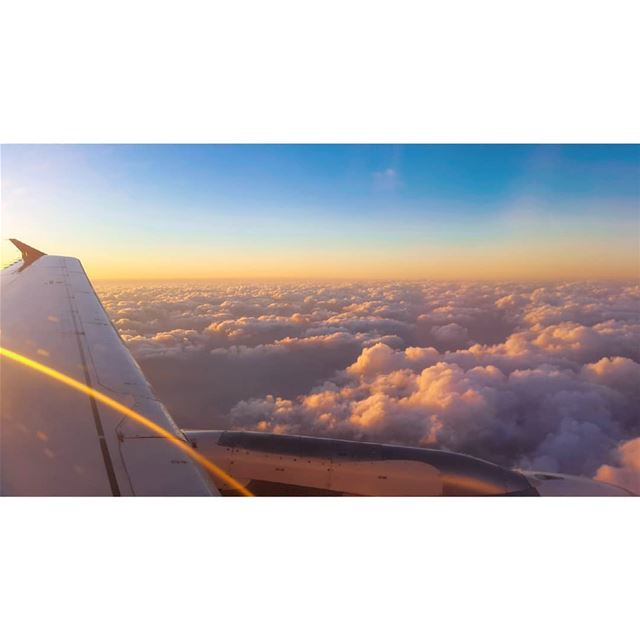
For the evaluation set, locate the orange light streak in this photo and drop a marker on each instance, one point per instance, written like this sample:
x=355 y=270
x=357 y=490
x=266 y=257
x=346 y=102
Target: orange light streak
x=130 y=413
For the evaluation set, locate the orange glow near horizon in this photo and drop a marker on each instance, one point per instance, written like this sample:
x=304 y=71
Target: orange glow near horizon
x=507 y=264
x=526 y=260
x=604 y=251
x=126 y=411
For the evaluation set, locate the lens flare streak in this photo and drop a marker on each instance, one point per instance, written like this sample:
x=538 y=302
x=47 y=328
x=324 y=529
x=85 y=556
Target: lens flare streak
x=130 y=413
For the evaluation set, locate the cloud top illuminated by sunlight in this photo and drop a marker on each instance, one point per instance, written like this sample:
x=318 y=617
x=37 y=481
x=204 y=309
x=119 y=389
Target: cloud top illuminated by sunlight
x=532 y=375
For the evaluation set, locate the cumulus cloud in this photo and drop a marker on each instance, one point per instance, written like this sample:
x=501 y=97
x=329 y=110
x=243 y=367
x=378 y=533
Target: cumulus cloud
x=532 y=375
x=451 y=334
x=628 y=473
x=545 y=417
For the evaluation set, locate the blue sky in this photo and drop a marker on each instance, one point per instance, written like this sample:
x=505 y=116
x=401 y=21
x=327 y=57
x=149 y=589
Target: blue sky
x=329 y=210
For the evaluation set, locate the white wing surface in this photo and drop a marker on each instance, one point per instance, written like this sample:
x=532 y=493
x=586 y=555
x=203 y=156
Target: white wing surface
x=55 y=440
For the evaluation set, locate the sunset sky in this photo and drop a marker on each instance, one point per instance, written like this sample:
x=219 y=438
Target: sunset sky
x=325 y=211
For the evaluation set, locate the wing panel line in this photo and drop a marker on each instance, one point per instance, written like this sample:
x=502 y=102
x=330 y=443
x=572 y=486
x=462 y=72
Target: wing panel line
x=108 y=463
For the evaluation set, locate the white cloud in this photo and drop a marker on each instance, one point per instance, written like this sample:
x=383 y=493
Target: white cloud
x=544 y=376
x=386 y=180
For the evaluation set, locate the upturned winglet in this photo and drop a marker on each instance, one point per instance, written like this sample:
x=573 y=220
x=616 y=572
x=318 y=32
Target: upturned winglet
x=29 y=254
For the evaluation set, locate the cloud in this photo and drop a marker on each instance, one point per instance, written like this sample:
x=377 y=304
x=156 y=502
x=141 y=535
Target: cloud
x=542 y=376
x=546 y=417
x=450 y=334
x=386 y=180
x=628 y=473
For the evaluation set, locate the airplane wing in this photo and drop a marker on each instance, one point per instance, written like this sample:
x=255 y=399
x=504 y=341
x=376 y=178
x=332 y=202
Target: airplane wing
x=55 y=440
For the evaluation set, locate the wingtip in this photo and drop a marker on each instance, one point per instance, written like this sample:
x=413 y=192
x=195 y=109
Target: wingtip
x=29 y=254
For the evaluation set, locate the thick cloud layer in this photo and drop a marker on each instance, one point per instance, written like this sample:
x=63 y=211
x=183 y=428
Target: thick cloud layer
x=531 y=375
